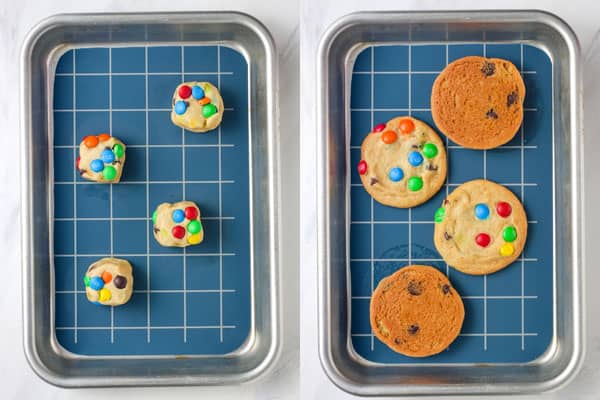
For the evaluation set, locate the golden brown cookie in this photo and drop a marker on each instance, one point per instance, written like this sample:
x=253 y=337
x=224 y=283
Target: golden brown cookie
x=478 y=102
x=416 y=311
x=480 y=228
x=109 y=282
x=197 y=106
x=101 y=158
x=177 y=224
x=403 y=162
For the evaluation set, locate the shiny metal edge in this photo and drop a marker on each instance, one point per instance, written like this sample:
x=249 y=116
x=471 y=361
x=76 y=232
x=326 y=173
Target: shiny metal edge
x=329 y=351
x=271 y=338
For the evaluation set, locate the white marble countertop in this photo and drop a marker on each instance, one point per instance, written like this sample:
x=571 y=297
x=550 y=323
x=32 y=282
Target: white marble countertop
x=315 y=17
x=17 y=380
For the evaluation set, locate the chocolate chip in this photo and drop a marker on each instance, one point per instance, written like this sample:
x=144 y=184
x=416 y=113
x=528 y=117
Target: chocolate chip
x=447 y=236
x=120 y=281
x=156 y=230
x=415 y=288
x=82 y=171
x=398 y=340
x=512 y=99
x=374 y=181
x=488 y=69
x=413 y=329
x=491 y=114
x=446 y=289
x=446 y=201
x=116 y=162
x=415 y=146
x=431 y=167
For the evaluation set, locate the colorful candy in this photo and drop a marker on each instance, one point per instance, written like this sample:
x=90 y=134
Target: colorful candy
x=106 y=277
x=482 y=211
x=154 y=215
x=86 y=281
x=96 y=283
x=194 y=239
x=194 y=227
x=90 y=141
x=118 y=150
x=109 y=172
x=503 y=209
x=197 y=92
x=178 y=231
x=483 y=239
x=406 y=126
x=120 y=282
x=379 y=127
x=415 y=183
x=440 y=213
x=415 y=158
x=107 y=156
x=203 y=101
x=208 y=110
x=362 y=167
x=77 y=162
x=389 y=137
x=178 y=216
x=97 y=165
x=509 y=234
x=191 y=212
x=180 y=107
x=185 y=91
x=103 y=137
x=507 y=249
x=430 y=150
x=396 y=174
x=105 y=294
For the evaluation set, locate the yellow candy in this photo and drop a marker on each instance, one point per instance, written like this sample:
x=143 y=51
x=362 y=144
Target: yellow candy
x=105 y=294
x=507 y=249
x=194 y=239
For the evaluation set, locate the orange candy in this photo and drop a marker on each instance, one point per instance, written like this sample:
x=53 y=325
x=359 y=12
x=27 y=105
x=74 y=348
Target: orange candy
x=406 y=126
x=90 y=141
x=203 y=101
x=389 y=137
x=106 y=277
x=103 y=137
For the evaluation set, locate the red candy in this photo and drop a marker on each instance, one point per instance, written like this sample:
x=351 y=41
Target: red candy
x=503 y=209
x=362 y=167
x=483 y=239
x=379 y=128
x=77 y=162
x=191 y=213
x=185 y=91
x=178 y=232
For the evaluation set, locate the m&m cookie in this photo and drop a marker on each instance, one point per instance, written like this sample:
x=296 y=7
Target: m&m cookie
x=480 y=228
x=177 y=224
x=109 y=282
x=101 y=158
x=403 y=162
x=197 y=106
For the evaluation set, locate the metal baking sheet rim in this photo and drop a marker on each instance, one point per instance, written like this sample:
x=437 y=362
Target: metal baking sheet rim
x=363 y=377
x=271 y=353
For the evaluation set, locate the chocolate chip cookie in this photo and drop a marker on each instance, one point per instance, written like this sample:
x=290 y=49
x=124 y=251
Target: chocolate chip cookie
x=416 y=311
x=478 y=102
x=403 y=162
x=480 y=228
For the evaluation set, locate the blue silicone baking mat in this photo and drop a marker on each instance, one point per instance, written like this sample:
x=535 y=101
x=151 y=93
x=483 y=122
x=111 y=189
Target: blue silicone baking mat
x=185 y=301
x=508 y=315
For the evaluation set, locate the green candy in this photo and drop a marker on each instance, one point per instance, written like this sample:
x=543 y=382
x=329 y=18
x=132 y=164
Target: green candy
x=86 y=281
x=430 y=150
x=109 y=172
x=118 y=150
x=194 y=227
x=440 y=214
x=154 y=215
x=415 y=184
x=209 y=110
x=509 y=234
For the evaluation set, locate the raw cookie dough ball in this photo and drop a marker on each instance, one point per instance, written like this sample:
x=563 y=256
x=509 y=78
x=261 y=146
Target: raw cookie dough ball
x=197 y=106
x=109 y=282
x=178 y=224
x=101 y=158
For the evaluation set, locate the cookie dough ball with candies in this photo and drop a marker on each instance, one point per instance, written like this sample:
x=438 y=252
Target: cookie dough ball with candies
x=178 y=224
x=101 y=158
x=197 y=106
x=109 y=282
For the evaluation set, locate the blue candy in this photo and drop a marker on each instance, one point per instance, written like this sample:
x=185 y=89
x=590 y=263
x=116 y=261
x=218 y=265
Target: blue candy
x=96 y=283
x=396 y=174
x=178 y=216
x=197 y=92
x=180 y=107
x=482 y=211
x=97 y=165
x=107 y=156
x=415 y=158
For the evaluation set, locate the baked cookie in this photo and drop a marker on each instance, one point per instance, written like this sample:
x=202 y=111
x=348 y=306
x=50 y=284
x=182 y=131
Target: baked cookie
x=480 y=228
x=478 y=102
x=177 y=224
x=416 y=311
x=197 y=106
x=403 y=162
x=109 y=282
x=101 y=158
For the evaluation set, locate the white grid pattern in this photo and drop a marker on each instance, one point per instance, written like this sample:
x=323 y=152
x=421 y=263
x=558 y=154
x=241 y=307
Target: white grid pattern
x=522 y=184
x=148 y=291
